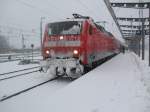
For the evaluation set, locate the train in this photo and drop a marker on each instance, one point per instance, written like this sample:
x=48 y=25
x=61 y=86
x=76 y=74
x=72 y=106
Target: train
x=72 y=45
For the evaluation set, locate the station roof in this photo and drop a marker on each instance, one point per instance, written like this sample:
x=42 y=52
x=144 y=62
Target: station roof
x=132 y=5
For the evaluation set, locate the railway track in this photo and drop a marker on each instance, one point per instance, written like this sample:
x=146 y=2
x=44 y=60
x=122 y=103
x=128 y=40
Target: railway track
x=16 y=57
x=19 y=73
x=3 y=61
x=26 y=90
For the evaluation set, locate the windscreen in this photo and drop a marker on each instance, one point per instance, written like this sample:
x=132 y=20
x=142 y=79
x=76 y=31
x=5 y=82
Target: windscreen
x=64 y=28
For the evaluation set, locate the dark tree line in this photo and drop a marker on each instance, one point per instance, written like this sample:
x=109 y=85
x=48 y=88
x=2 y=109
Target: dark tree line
x=4 y=45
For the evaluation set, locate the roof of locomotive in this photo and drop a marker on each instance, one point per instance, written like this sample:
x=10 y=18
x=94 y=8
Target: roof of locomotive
x=76 y=17
x=69 y=19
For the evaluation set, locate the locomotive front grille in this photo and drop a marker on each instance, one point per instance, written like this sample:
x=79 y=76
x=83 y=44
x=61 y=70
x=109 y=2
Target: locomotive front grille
x=63 y=62
x=62 y=43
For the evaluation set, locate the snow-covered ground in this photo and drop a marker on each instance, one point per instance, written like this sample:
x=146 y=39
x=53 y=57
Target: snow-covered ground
x=11 y=86
x=120 y=85
x=146 y=56
x=12 y=66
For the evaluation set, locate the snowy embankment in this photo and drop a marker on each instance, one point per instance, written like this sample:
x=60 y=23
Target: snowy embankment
x=120 y=85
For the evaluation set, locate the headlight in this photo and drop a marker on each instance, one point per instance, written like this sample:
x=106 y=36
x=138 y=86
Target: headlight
x=61 y=37
x=47 y=52
x=75 y=52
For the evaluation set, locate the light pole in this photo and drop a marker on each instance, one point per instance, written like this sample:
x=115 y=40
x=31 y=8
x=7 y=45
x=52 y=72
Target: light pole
x=149 y=36
x=32 y=45
x=41 y=34
x=142 y=31
x=23 y=45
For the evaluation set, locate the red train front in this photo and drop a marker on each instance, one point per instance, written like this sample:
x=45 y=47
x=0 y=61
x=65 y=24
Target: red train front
x=71 y=45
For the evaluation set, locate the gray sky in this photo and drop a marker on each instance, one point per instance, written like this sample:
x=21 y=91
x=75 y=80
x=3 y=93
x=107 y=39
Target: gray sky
x=24 y=16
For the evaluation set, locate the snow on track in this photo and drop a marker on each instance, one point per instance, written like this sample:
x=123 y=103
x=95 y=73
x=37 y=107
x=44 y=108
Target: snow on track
x=119 y=85
x=13 y=66
x=11 y=86
x=18 y=73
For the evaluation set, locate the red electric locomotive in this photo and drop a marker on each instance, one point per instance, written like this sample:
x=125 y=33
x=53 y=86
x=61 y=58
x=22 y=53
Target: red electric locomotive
x=71 y=45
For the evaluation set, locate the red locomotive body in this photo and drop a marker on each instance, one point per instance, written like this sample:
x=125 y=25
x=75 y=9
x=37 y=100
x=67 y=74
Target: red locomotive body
x=75 y=44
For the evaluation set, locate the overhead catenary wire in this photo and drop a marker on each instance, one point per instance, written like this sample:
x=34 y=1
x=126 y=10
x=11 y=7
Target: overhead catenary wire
x=54 y=6
x=87 y=8
x=31 y=6
x=36 y=8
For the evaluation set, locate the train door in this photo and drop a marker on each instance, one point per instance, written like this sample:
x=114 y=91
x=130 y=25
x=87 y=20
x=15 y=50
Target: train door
x=91 y=55
x=93 y=32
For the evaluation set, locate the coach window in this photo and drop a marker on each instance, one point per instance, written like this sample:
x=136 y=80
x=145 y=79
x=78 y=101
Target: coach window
x=90 y=30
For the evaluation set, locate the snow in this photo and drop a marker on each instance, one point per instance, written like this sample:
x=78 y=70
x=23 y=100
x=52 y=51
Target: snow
x=120 y=85
x=12 y=66
x=146 y=56
x=73 y=30
x=19 y=56
x=10 y=86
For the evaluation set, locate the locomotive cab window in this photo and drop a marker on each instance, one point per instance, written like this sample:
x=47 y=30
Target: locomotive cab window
x=65 y=28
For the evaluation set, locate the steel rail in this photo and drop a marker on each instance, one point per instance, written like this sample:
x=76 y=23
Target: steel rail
x=27 y=89
x=18 y=70
x=19 y=75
